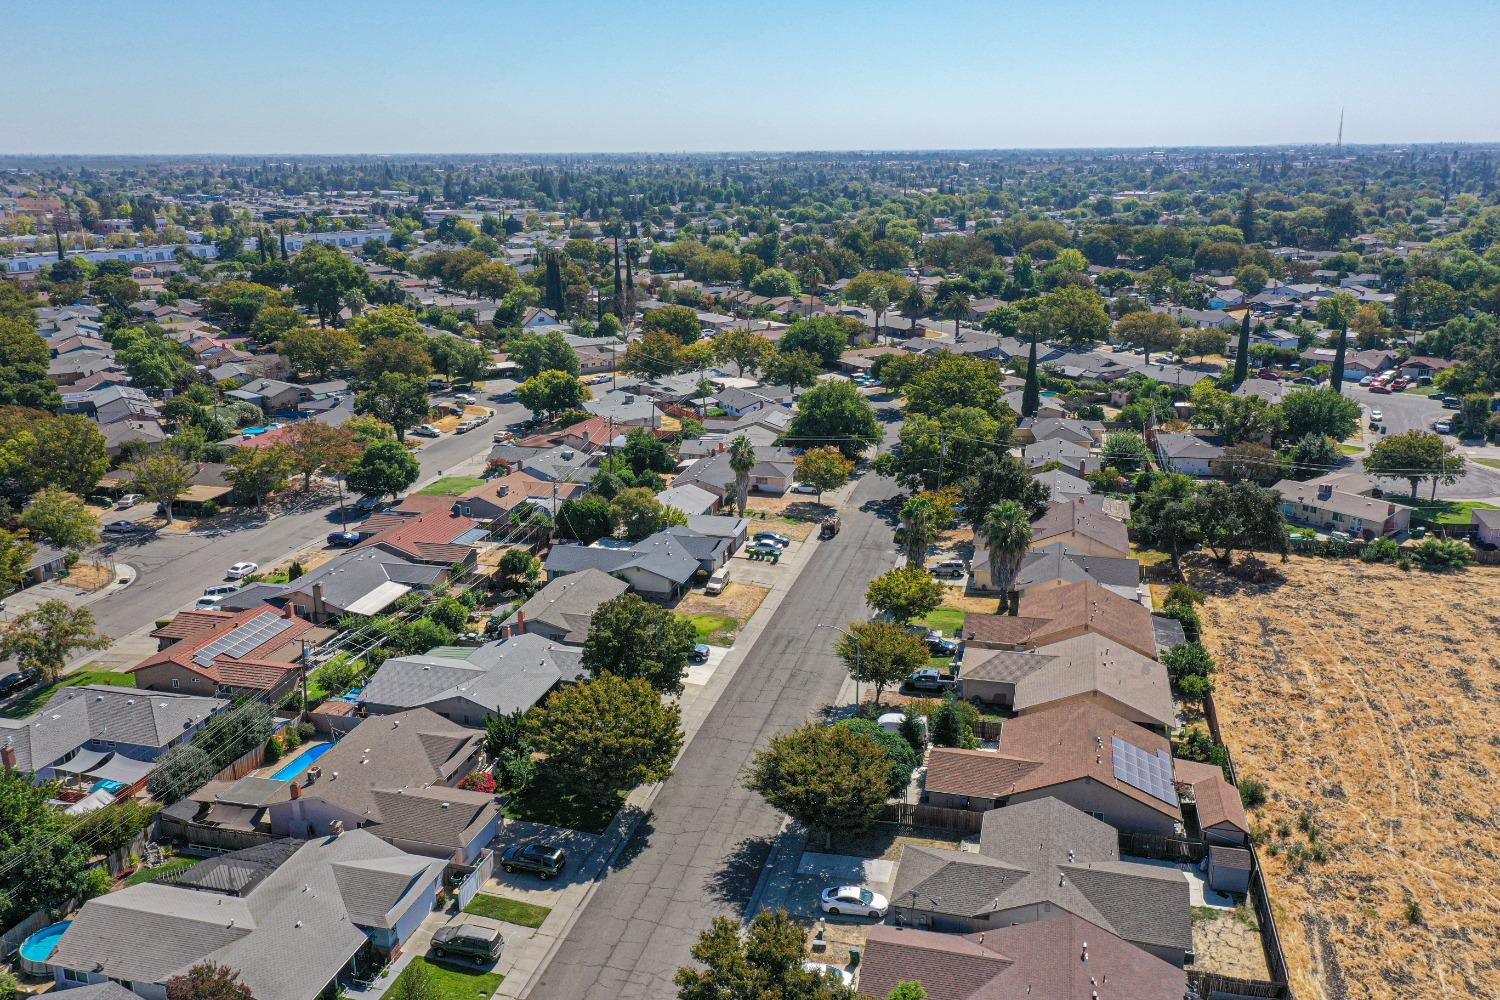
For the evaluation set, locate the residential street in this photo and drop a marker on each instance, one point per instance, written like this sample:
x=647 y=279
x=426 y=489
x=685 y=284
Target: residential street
x=1404 y=411
x=699 y=853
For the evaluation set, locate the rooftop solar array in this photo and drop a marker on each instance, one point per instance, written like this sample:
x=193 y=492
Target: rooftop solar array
x=254 y=633
x=1150 y=772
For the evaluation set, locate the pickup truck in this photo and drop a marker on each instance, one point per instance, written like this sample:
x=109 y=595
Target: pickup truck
x=929 y=679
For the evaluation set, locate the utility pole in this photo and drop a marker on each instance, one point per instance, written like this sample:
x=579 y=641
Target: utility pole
x=942 y=453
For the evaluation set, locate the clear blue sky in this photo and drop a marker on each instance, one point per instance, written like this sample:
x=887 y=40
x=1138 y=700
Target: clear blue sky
x=336 y=76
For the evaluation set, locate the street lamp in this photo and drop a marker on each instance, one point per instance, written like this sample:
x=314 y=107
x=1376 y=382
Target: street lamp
x=857 y=654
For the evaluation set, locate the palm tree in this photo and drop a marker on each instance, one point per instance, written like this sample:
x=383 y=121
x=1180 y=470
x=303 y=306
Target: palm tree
x=1007 y=535
x=957 y=306
x=917 y=530
x=741 y=460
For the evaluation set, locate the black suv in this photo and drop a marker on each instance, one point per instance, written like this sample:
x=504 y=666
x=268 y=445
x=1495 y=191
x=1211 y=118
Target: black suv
x=482 y=944
x=543 y=860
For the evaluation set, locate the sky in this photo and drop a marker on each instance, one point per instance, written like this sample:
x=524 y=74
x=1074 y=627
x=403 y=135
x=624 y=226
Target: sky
x=469 y=76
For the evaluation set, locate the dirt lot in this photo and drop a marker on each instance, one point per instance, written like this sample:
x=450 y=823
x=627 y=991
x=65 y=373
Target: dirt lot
x=798 y=505
x=739 y=600
x=1365 y=698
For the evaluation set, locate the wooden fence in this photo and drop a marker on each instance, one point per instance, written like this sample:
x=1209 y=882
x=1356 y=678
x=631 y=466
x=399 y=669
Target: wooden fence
x=1162 y=847
x=255 y=758
x=1212 y=986
x=963 y=821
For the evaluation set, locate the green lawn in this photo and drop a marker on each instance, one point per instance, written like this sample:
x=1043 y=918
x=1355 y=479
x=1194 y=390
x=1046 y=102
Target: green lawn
x=946 y=620
x=1352 y=449
x=540 y=802
x=172 y=867
x=451 y=486
x=37 y=696
x=512 y=911
x=1442 y=511
x=1493 y=463
x=1422 y=390
x=451 y=982
x=716 y=630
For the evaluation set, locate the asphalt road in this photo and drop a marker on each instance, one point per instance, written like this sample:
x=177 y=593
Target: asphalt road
x=174 y=568
x=1402 y=411
x=699 y=853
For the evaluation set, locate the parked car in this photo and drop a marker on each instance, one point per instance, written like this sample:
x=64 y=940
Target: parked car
x=130 y=500
x=1376 y=416
x=1269 y=374
x=952 y=568
x=699 y=653
x=221 y=590
x=466 y=399
x=11 y=683
x=124 y=528
x=426 y=431
x=504 y=437
x=853 y=899
x=467 y=426
x=1367 y=380
x=763 y=549
x=825 y=970
x=772 y=538
x=804 y=488
x=343 y=539
x=1305 y=380
x=538 y=857
x=1451 y=402
x=1443 y=426
x=208 y=603
x=929 y=679
x=369 y=503
x=483 y=944
x=1380 y=389
x=718 y=581
x=240 y=570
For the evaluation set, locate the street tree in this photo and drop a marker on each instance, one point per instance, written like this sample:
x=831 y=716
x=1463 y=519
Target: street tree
x=314 y=447
x=601 y=738
x=61 y=518
x=767 y=961
x=161 y=476
x=824 y=469
x=918 y=530
x=834 y=413
x=904 y=593
x=1415 y=455
x=552 y=392
x=259 y=472
x=394 y=355
x=632 y=638
x=385 y=469
x=741 y=463
x=885 y=654
x=535 y=353
x=1150 y=331
x=1006 y=536
x=42 y=640
x=275 y=323
x=957 y=380
x=1318 y=411
x=398 y=400
x=747 y=351
x=831 y=779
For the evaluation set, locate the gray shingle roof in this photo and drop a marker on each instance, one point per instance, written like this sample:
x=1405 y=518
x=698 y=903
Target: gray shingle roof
x=75 y=715
x=1059 y=561
x=500 y=677
x=567 y=603
x=664 y=554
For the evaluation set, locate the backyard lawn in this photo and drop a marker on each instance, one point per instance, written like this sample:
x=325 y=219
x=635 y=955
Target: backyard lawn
x=946 y=620
x=451 y=982
x=451 y=486
x=715 y=630
x=1442 y=511
x=512 y=911
x=37 y=696
x=160 y=872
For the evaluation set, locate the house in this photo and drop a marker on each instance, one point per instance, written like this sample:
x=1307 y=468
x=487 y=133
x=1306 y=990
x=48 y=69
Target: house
x=1058 y=613
x=1189 y=453
x=111 y=403
x=394 y=775
x=293 y=918
x=625 y=409
x=1058 y=956
x=774 y=472
x=253 y=653
x=131 y=432
x=47 y=562
x=1486 y=525
x=1056 y=565
x=1078 y=752
x=659 y=566
x=271 y=395
x=1038 y=859
x=689 y=499
x=734 y=530
x=1047 y=406
x=96 y=733
x=1075 y=458
x=439 y=536
x=1371 y=362
x=1085 y=525
x=1084 y=433
x=1323 y=506
x=1086 y=668
x=496 y=679
x=363 y=581
x=1422 y=366
x=497 y=499
x=1062 y=484
x=561 y=611
x=540 y=319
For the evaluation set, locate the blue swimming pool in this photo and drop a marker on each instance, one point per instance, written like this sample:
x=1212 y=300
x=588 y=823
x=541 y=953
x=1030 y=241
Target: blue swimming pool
x=301 y=762
x=40 y=946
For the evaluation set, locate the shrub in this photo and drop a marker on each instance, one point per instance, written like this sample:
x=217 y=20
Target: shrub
x=291 y=738
x=1181 y=593
x=1252 y=793
x=1381 y=550
x=1195 y=688
x=1196 y=744
x=1192 y=624
x=1187 y=660
x=516 y=771
x=1413 y=913
x=903 y=758
x=275 y=748
x=1441 y=554
x=208 y=508
x=478 y=781
x=8 y=985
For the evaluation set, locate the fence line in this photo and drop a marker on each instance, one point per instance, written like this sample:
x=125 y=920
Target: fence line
x=939 y=817
x=1210 y=984
x=1162 y=847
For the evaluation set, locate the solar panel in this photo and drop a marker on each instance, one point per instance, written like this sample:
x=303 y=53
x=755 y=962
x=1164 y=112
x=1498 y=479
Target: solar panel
x=1150 y=772
x=254 y=633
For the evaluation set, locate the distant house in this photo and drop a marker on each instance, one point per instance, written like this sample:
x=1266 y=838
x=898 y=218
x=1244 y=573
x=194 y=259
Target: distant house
x=1085 y=668
x=660 y=566
x=1037 y=859
x=1083 y=524
x=1421 y=366
x=1041 y=958
x=496 y=679
x=540 y=319
x=561 y=611
x=293 y=918
x=1063 y=484
x=271 y=395
x=1322 y=506
x=47 y=563
x=1064 y=612
x=1084 y=433
x=1075 y=458
x=1056 y=565
x=1189 y=453
x=252 y=653
x=738 y=402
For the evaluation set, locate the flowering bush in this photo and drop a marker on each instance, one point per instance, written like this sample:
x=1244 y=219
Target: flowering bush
x=478 y=781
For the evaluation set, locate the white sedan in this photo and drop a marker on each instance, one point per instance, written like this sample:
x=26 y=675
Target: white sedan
x=824 y=968
x=240 y=570
x=855 y=900
x=804 y=488
x=1376 y=416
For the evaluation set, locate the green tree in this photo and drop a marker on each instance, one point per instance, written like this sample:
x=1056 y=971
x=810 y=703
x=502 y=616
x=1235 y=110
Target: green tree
x=1006 y=536
x=162 y=476
x=385 y=469
x=1336 y=312
x=831 y=779
x=638 y=514
x=24 y=360
x=586 y=520
x=1240 y=516
x=679 y=321
x=492 y=280
x=766 y=963
x=1242 y=351
x=1312 y=454
x=826 y=337
x=999 y=476
x=552 y=392
x=541 y=352
x=741 y=463
x=414 y=983
x=322 y=278
x=44 y=864
x=885 y=655
x=1126 y=451
x=774 y=283
x=645 y=452
x=796 y=369
x=114 y=291
x=1031 y=392
x=632 y=638
x=258 y=472
x=398 y=400
x=61 y=518
x=745 y=350
x=957 y=380
x=834 y=413
x=824 y=469
x=1415 y=455
x=904 y=593
x=1318 y=411
x=276 y=323
x=901 y=757
x=16 y=552
x=1197 y=342
x=601 y=738
x=1073 y=314
x=1150 y=331
x=313 y=447
x=42 y=640
x=321 y=352
x=150 y=359
x=395 y=355
x=518 y=569
x=211 y=981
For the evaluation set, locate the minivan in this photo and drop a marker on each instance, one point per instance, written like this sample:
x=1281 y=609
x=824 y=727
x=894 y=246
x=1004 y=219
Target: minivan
x=718 y=581
x=953 y=568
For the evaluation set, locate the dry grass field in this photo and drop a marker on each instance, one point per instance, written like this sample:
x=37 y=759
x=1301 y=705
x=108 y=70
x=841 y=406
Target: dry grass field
x=1366 y=699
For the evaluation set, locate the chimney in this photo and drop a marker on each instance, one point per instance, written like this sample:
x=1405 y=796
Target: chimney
x=520 y=622
x=8 y=757
x=317 y=602
x=296 y=790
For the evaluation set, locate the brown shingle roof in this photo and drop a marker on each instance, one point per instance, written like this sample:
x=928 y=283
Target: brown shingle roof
x=1219 y=802
x=1076 y=516
x=1058 y=613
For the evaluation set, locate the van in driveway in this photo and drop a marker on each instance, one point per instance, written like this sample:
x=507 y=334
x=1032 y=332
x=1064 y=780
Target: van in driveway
x=718 y=581
x=482 y=944
x=952 y=568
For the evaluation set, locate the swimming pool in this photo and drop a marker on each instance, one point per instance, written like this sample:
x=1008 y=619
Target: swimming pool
x=301 y=762
x=40 y=946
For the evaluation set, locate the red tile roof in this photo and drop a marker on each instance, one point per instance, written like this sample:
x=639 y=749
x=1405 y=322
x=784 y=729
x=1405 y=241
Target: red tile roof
x=194 y=630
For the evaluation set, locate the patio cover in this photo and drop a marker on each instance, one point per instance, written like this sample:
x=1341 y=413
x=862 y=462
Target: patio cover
x=126 y=770
x=83 y=763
